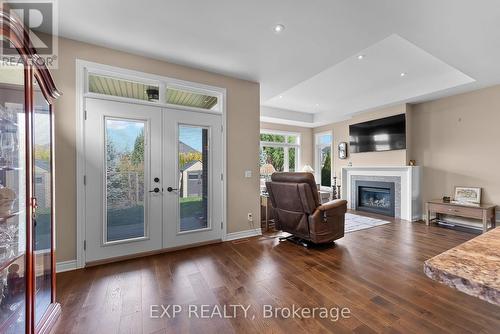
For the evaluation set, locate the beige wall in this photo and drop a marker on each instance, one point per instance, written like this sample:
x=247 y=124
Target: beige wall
x=341 y=134
x=242 y=135
x=306 y=140
x=456 y=140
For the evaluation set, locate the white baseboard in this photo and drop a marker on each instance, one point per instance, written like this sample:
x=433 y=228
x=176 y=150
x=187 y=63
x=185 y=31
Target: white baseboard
x=242 y=234
x=65 y=266
x=71 y=265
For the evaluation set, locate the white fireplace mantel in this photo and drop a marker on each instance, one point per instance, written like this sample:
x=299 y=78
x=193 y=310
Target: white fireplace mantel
x=410 y=178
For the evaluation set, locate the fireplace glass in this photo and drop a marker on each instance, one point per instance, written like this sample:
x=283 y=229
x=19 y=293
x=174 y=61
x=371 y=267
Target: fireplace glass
x=375 y=197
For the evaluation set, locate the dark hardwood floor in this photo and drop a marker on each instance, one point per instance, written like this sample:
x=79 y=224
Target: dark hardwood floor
x=376 y=273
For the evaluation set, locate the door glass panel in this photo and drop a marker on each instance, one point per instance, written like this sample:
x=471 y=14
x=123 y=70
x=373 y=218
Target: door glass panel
x=12 y=200
x=125 y=158
x=193 y=177
x=42 y=191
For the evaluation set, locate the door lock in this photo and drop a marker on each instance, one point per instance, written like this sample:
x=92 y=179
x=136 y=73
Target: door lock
x=170 y=189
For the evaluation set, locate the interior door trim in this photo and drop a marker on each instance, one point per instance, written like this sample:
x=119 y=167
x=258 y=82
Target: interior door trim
x=82 y=68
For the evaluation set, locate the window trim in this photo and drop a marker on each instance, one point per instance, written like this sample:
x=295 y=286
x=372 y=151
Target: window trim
x=286 y=146
x=317 y=147
x=162 y=82
x=82 y=67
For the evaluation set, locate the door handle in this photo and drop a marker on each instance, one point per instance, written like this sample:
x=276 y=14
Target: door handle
x=170 y=189
x=155 y=190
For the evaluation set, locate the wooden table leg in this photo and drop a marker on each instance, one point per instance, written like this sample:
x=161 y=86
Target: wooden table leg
x=485 y=221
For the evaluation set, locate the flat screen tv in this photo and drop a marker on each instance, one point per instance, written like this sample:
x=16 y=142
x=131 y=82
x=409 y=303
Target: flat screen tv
x=385 y=134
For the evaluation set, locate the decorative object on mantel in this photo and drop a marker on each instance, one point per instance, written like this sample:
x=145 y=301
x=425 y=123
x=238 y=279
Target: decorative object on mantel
x=412 y=163
x=342 y=150
x=467 y=195
x=446 y=199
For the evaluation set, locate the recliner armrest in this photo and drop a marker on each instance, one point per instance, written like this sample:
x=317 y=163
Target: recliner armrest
x=335 y=204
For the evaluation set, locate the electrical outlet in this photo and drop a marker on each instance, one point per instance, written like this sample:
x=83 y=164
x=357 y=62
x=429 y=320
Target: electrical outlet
x=250 y=217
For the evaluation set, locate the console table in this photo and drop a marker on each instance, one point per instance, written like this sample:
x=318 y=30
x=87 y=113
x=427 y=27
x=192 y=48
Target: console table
x=484 y=212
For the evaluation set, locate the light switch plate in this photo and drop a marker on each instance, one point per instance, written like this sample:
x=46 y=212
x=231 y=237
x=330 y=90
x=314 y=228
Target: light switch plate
x=248 y=173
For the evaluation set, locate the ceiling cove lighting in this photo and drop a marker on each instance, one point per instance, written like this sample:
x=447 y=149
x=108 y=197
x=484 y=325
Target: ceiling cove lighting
x=279 y=28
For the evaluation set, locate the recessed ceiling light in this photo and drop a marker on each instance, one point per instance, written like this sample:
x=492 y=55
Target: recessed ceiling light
x=361 y=57
x=403 y=74
x=281 y=96
x=317 y=104
x=279 y=28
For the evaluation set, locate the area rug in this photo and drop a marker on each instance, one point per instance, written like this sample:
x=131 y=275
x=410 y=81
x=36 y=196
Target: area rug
x=355 y=223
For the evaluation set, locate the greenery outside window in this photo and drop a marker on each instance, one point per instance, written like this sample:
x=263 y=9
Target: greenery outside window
x=280 y=149
x=323 y=165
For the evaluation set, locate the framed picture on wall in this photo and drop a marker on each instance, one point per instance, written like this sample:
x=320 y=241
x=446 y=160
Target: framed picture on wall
x=468 y=195
x=343 y=150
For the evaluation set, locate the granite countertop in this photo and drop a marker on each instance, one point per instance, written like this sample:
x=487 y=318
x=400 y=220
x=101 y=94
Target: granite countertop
x=472 y=267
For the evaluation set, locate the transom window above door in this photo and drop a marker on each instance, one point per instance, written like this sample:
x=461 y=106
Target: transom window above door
x=107 y=85
x=170 y=92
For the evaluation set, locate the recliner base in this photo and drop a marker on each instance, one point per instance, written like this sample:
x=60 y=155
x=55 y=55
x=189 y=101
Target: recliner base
x=296 y=240
x=306 y=243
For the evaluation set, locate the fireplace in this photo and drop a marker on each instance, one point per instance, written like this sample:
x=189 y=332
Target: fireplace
x=375 y=197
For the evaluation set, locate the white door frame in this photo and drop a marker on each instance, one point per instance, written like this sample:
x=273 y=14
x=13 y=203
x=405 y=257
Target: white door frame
x=83 y=67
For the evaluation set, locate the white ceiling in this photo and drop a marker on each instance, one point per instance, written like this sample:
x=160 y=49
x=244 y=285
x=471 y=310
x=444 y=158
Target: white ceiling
x=391 y=70
x=458 y=38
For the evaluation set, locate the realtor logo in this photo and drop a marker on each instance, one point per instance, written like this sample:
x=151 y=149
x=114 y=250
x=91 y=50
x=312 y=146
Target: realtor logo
x=40 y=19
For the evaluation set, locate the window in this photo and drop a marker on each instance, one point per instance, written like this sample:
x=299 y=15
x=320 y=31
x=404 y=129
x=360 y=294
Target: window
x=187 y=98
x=279 y=149
x=323 y=165
x=123 y=88
x=154 y=90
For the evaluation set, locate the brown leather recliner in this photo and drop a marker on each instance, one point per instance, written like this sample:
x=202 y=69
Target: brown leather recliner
x=295 y=200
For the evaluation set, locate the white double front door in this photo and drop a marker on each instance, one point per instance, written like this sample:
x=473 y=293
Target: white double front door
x=152 y=178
